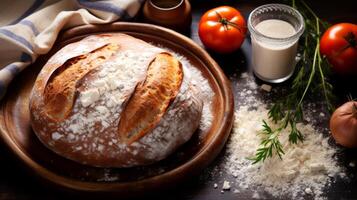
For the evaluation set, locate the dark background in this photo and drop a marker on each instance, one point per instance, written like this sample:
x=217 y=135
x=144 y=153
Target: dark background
x=17 y=183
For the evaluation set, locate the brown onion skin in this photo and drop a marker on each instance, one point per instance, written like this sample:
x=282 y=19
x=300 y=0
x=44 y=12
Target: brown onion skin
x=343 y=125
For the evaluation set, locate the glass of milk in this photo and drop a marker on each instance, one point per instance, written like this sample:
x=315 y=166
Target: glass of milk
x=275 y=30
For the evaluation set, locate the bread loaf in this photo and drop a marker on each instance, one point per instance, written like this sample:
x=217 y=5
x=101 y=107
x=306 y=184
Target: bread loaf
x=112 y=100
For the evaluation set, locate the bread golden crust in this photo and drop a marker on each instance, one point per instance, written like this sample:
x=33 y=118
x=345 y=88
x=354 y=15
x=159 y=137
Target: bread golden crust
x=60 y=91
x=151 y=98
x=84 y=91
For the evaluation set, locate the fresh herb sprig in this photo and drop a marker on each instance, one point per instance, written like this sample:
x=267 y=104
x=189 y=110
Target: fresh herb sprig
x=310 y=79
x=269 y=144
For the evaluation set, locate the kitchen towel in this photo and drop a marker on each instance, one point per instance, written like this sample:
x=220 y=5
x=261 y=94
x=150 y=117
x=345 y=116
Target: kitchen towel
x=29 y=28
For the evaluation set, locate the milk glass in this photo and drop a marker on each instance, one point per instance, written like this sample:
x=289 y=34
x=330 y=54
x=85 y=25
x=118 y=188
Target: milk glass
x=273 y=54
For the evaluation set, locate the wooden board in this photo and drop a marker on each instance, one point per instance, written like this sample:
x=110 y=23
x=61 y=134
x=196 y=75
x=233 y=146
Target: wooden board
x=188 y=160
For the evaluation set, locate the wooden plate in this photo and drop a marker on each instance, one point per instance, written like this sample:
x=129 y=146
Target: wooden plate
x=187 y=161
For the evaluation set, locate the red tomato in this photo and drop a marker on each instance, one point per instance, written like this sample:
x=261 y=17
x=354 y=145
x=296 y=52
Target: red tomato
x=339 y=44
x=222 y=29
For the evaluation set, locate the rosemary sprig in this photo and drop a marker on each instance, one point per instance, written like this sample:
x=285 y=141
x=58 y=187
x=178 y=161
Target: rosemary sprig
x=288 y=111
x=269 y=144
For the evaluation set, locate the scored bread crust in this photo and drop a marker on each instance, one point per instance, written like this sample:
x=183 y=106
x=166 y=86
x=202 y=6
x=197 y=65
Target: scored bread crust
x=151 y=98
x=59 y=92
x=83 y=101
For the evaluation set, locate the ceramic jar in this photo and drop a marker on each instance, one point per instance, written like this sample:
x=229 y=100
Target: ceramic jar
x=174 y=14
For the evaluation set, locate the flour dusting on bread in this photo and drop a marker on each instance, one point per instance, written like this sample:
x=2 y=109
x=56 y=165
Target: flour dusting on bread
x=89 y=134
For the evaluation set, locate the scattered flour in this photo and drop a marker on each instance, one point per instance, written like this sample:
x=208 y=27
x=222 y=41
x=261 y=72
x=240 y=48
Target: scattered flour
x=226 y=185
x=266 y=87
x=306 y=167
x=256 y=195
x=107 y=177
x=308 y=191
x=352 y=164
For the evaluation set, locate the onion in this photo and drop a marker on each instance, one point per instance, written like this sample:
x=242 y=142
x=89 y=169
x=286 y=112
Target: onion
x=343 y=124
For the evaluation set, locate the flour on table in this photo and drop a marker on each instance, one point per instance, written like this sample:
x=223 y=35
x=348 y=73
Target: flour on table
x=226 y=185
x=306 y=168
x=308 y=164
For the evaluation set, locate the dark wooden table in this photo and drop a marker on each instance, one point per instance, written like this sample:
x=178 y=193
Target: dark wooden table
x=16 y=183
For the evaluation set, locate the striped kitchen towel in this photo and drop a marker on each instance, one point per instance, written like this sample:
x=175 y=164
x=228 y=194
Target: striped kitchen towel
x=29 y=28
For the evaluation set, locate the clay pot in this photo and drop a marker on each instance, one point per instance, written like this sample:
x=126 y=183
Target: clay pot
x=174 y=14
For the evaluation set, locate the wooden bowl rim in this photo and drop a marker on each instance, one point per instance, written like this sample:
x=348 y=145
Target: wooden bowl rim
x=202 y=158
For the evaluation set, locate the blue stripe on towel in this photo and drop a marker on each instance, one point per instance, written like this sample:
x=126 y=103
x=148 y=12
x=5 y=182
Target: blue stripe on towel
x=17 y=38
x=13 y=69
x=25 y=57
x=29 y=11
x=107 y=7
x=31 y=25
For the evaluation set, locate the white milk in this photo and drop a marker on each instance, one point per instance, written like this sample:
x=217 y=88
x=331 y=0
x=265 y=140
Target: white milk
x=273 y=60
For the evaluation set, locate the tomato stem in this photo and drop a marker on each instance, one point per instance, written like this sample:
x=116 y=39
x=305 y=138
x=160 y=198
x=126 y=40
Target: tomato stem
x=225 y=22
x=351 y=42
x=351 y=39
x=354 y=110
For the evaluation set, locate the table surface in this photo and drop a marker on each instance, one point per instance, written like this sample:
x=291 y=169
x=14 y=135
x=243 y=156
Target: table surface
x=16 y=183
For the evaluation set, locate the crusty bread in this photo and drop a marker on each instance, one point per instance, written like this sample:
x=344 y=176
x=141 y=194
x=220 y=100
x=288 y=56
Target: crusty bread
x=151 y=98
x=60 y=89
x=111 y=100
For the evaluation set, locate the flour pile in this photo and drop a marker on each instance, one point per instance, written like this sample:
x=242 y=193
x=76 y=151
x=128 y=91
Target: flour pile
x=306 y=167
